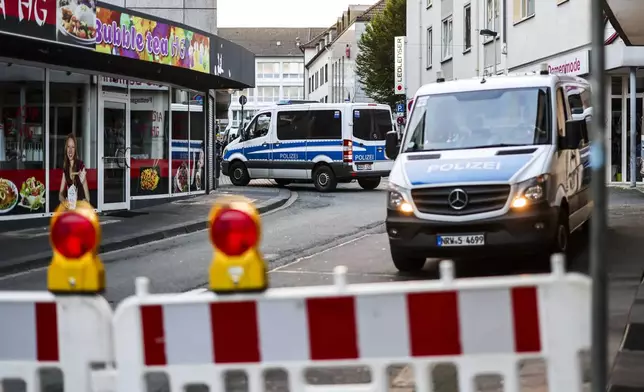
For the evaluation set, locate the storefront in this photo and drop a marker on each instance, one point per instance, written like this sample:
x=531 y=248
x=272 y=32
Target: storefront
x=129 y=96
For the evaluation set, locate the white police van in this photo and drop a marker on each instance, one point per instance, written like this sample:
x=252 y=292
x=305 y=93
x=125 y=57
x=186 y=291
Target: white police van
x=325 y=143
x=490 y=166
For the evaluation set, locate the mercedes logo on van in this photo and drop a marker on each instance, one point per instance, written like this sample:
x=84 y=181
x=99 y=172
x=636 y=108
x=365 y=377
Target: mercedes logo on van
x=457 y=199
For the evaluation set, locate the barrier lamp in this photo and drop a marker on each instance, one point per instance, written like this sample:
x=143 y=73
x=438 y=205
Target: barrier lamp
x=75 y=237
x=235 y=232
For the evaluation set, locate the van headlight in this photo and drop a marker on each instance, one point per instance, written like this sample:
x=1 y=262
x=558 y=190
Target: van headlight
x=531 y=191
x=397 y=201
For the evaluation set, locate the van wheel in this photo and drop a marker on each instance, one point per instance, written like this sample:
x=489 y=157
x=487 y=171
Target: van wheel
x=369 y=183
x=562 y=234
x=404 y=262
x=239 y=174
x=324 y=179
x=282 y=182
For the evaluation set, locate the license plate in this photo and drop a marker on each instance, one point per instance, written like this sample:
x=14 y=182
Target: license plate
x=460 y=240
x=364 y=166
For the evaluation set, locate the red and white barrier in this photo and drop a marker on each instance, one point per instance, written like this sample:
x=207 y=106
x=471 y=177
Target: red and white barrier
x=482 y=325
x=41 y=331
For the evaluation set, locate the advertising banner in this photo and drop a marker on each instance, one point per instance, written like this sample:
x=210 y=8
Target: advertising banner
x=399 y=66
x=72 y=22
x=125 y=35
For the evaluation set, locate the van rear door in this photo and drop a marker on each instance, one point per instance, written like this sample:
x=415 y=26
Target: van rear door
x=370 y=127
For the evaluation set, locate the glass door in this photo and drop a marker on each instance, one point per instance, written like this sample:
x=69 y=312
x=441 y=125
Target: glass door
x=114 y=150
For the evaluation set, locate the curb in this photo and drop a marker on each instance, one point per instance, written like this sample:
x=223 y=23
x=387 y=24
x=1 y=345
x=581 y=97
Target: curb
x=43 y=259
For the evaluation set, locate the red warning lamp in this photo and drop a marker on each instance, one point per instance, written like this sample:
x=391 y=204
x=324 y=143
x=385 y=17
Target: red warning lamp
x=234 y=232
x=73 y=235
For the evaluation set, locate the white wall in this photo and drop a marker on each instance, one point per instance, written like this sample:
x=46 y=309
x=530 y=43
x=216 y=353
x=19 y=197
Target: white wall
x=553 y=30
x=282 y=83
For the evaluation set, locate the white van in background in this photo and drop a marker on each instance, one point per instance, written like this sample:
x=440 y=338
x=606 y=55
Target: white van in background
x=323 y=143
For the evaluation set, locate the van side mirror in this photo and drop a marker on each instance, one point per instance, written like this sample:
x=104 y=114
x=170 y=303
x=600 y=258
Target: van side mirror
x=576 y=131
x=392 y=147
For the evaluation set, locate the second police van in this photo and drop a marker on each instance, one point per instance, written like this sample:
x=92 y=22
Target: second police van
x=491 y=166
x=323 y=143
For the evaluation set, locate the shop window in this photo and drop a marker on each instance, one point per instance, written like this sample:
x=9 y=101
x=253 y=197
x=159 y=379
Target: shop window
x=72 y=137
x=22 y=131
x=149 y=140
x=188 y=142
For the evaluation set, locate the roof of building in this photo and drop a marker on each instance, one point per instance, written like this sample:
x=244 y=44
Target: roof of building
x=365 y=16
x=269 y=41
x=372 y=11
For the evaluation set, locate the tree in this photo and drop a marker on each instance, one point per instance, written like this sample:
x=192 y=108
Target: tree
x=375 y=61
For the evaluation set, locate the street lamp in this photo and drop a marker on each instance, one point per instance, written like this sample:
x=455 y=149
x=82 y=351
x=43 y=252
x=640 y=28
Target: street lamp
x=493 y=34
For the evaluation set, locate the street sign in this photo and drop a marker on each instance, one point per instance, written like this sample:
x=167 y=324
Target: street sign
x=243 y=100
x=399 y=66
x=400 y=108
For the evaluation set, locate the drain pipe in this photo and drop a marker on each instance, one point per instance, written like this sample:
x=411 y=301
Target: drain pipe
x=478 y=40
x=420 y=46
x=633 y=123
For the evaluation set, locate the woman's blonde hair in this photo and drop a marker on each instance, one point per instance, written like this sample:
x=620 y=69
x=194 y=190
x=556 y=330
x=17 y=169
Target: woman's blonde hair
x=66 y=160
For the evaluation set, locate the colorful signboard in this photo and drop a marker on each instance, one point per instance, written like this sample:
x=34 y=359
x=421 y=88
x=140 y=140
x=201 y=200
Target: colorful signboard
x=67 y=21
x=125 y=35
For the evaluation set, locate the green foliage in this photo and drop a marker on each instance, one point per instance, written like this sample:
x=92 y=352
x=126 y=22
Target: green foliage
x=375 y=63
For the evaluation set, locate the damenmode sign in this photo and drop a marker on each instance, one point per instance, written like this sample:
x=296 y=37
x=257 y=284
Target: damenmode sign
x=399 y=65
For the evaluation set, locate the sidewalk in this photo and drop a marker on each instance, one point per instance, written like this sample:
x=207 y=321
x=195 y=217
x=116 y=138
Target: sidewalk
x=30 y=248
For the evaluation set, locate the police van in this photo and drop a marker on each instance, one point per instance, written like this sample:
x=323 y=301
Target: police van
x=323 y=143
x=490 y=166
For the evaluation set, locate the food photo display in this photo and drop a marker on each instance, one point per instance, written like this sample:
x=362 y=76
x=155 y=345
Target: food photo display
x=76 y=22
x=29 y=198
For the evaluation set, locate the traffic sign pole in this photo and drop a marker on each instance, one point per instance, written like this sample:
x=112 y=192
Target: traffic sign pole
x=242 y=101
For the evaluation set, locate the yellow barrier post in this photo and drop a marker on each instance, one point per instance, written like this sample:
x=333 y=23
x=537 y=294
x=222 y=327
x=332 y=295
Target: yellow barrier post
x=75 y=237
x=235 y=232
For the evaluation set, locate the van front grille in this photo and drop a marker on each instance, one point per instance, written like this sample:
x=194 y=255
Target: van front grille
x=472 y=199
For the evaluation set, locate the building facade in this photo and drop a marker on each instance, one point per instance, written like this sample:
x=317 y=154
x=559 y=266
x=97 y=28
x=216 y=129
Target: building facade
x=330 y=57
x=128 y=97
x=444 y=35
x=279 y=65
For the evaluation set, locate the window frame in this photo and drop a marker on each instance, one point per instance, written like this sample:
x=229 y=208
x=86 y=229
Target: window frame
x=447 y=47
x=430 y=47
x=467 y=32
x=524 y=9
x=493 y=23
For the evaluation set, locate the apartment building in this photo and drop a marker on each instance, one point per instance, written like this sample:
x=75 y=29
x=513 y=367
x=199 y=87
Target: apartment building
x=443 y=35
x=279 y=67
x=330 y=57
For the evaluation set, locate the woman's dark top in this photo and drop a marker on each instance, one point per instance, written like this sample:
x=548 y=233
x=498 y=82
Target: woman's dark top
x=80 y=191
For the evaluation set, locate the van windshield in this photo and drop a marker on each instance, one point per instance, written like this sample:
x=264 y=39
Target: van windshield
x=480 y=119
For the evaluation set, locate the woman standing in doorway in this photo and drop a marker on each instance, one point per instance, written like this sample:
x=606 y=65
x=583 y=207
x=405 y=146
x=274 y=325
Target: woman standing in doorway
x=74 y=173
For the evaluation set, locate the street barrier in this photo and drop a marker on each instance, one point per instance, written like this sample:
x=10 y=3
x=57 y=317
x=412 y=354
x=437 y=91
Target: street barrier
x=169 y=342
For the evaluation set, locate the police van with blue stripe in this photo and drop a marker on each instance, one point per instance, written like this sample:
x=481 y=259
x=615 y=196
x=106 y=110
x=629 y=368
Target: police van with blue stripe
x=323 y=143
x=490 y=167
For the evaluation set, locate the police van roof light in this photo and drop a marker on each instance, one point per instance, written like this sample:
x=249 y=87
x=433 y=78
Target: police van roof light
x=234 y=232
x=73 y=235
x=543 y=69
x=439 y=77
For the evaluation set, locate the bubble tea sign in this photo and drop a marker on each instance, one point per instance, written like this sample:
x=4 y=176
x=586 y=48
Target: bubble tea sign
x=122 y=34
